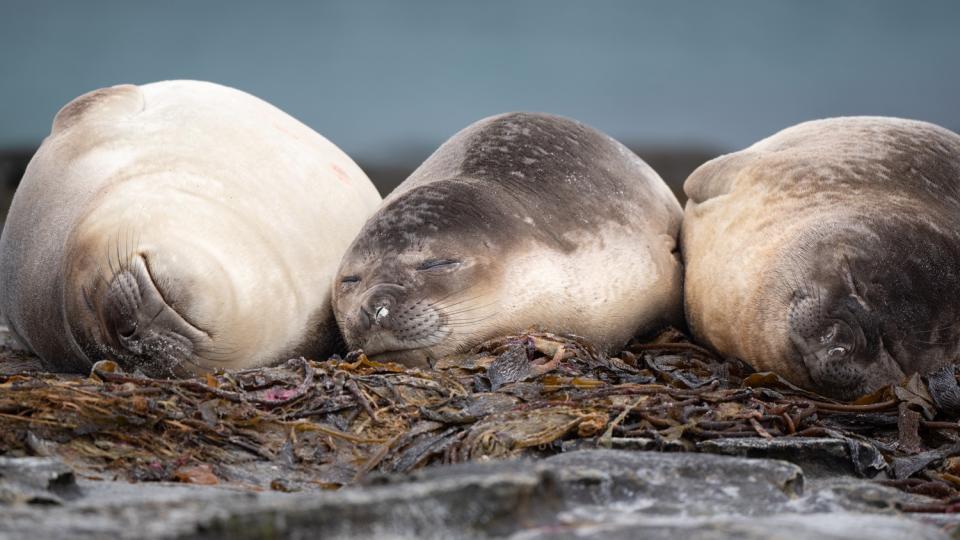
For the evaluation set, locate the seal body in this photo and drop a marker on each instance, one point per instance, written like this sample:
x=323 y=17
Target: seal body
x=175 y=227
x=520 y=220
x=829 y=252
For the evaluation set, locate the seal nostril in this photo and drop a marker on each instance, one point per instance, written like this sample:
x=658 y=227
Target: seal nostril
x=127 y=329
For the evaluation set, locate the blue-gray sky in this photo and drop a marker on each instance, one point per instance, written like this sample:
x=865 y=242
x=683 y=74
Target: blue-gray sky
x=381 y=77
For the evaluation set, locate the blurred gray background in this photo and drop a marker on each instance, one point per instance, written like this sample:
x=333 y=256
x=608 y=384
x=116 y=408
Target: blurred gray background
x=388 y=81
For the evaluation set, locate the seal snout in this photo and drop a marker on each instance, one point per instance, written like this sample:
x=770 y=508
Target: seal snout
x=378 y=304
x=140 y=324
x=388 y=321
x=839 y=341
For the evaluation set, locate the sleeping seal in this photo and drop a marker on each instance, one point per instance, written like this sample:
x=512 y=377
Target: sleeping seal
x=519 y=220
x=830 y=253
x=163 y=226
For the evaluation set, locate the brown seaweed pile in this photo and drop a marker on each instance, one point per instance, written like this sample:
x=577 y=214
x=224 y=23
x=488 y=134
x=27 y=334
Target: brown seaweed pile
x=313 y=425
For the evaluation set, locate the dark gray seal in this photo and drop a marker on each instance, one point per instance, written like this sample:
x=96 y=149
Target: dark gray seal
x=830 y=252
x=520 y=220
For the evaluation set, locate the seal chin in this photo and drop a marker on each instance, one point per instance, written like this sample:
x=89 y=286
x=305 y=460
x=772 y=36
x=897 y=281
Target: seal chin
x=415 y=357
x=142 y=330
x=846 y=377
x=384 y=346
x=836 y=377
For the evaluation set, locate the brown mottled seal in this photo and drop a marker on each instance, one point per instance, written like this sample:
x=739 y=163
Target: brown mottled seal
x=830 y=252
x=520 y=220
x=178 y=226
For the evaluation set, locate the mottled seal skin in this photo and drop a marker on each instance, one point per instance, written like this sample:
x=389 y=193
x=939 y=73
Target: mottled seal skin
x=830 y=252
x=176 y=227
x=520 y=220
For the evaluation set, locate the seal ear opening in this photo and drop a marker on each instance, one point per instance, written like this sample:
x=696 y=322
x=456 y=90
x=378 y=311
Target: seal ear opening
x=716 y=177
x=120 y=101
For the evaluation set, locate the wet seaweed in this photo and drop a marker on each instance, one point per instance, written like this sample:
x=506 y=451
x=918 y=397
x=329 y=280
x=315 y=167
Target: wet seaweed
x=324 y=424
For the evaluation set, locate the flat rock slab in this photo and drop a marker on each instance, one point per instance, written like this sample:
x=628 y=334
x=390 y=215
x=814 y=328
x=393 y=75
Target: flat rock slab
x=36 y=481
x=817 y=456
x=589 y=493
x=783 y=527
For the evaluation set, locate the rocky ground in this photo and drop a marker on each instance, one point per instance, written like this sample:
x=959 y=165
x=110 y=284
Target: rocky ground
x=529 y=436
x=587 y=493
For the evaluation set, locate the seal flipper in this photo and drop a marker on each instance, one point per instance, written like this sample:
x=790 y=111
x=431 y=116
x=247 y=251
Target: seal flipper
x=717 y=176
x=121 y=101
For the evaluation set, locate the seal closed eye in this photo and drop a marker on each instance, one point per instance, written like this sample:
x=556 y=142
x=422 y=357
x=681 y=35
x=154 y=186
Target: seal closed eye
x=830 y=253
x=519 y=220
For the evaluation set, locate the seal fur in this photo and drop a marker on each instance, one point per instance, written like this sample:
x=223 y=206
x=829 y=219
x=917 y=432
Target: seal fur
x=176 y=227
x=829 y=252
x=519 y=220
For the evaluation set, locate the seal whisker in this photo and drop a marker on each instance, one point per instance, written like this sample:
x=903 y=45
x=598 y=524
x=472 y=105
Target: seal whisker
x=173 y=361
x=446 y=296
x=798 y=283
x=457 y=302
x=207 y=358
x=468 y=309
x=820 y=304
x=157 y=314
x=222 y=348
x=109 y=259
x=933 y=343
x=441 y=305
x=116 y=249
x=450 y=321
x=125 y=261
x=99 y=280
x=86 y=298
x=465 y=323
x=219 y=352
x=453 y=321
x=197 y=362
x=131 y=246
x=937 y=329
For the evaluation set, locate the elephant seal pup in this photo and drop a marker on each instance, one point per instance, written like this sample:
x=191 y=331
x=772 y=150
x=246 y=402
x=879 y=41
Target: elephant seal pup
x=519 y=220
x=178 y=226
x=830 y=253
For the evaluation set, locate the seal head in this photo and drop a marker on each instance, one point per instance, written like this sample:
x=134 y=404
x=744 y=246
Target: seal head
x=417 y=295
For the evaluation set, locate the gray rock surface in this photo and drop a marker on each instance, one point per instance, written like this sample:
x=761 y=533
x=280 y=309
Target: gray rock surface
x=595 y=493
x=36 y=481
x=818 y=456
x=779 y=527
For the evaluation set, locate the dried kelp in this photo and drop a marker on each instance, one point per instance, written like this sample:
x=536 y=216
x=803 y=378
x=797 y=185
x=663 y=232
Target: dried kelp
x=311 y=425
